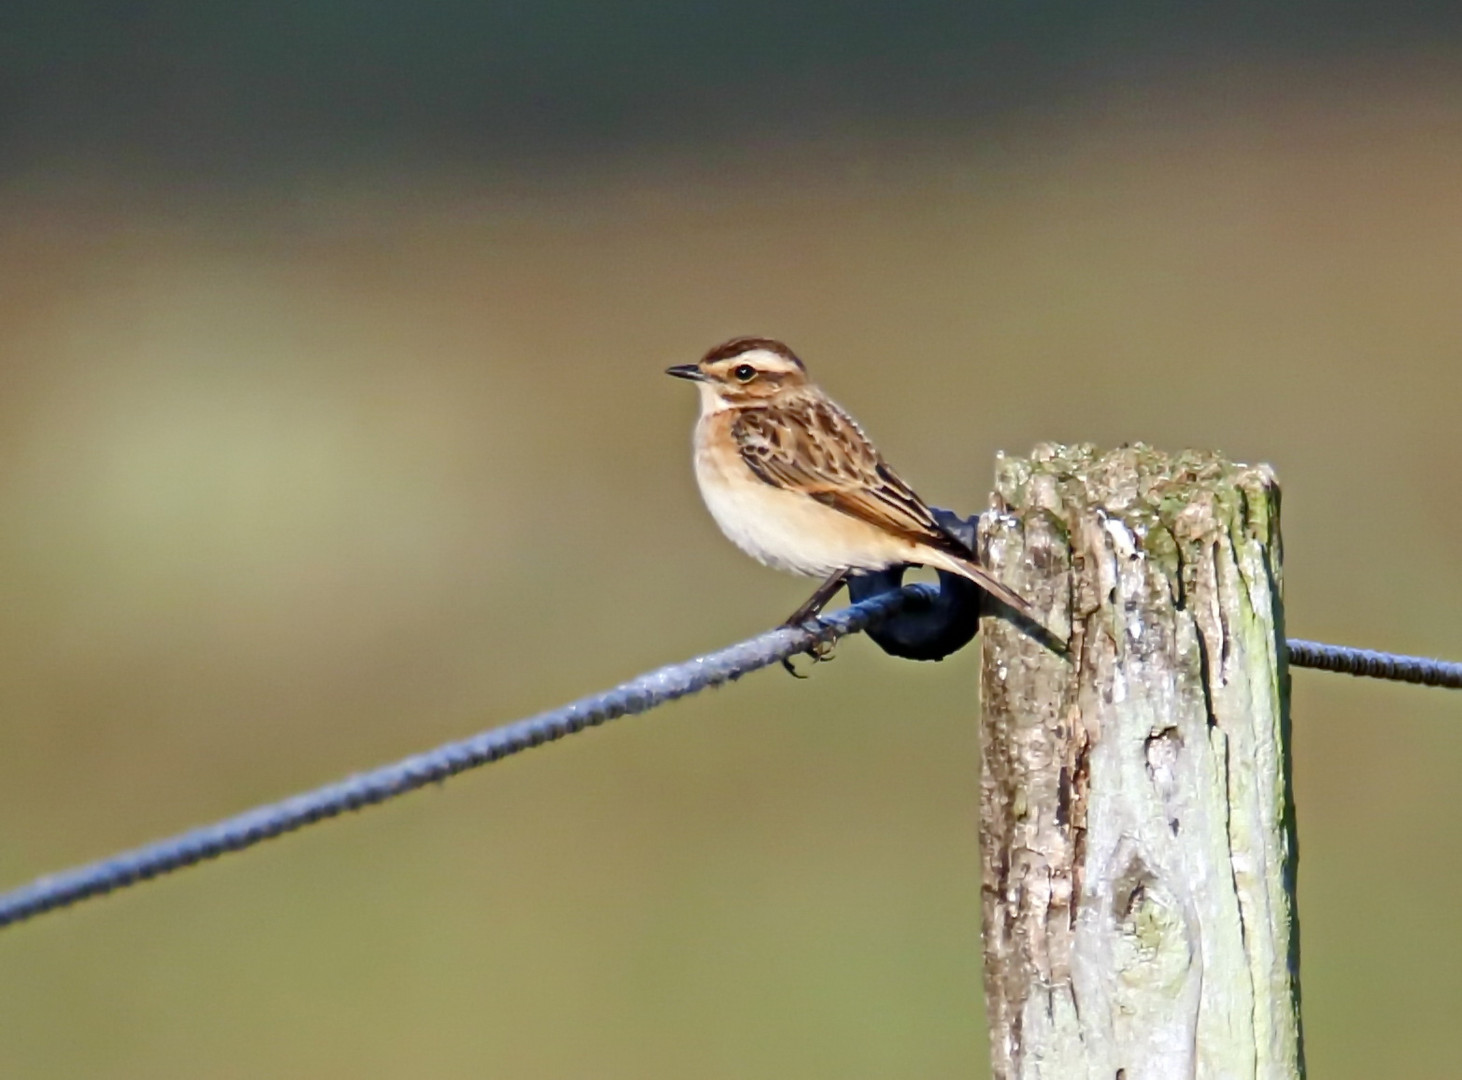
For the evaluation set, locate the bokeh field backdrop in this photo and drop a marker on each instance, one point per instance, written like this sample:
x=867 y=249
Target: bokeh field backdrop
x=310 y=468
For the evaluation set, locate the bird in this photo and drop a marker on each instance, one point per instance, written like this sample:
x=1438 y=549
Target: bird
x=793 y=481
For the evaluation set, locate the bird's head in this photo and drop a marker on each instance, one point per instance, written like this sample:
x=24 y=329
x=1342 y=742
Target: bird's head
x=744 y=371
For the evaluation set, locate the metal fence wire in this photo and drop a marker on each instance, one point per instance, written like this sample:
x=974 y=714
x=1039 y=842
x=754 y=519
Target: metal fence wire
x=636 y=696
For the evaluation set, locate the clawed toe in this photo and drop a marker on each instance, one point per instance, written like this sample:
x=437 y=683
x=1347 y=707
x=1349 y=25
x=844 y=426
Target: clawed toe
x=792 y=671
x=821 y=649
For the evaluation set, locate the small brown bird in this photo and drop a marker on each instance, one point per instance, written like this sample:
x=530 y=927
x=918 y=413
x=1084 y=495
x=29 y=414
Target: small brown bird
x=792 y=480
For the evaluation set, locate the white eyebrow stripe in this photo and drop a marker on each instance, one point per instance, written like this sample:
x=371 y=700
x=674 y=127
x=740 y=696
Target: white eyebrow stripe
x=764 y=359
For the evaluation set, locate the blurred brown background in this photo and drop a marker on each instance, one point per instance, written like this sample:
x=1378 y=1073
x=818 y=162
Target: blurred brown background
x=333 y=427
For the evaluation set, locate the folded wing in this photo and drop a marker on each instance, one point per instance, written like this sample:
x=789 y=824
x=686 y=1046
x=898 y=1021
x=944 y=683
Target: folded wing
x=814 y=447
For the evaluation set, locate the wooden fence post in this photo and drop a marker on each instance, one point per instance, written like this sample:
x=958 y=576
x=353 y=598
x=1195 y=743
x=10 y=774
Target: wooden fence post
x=1136 y=823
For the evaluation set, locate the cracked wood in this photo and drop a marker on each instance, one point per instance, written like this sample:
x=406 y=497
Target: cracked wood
x=1136 y=826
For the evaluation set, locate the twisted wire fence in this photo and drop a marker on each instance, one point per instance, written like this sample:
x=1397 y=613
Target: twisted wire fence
x=638 y=695
x=1374 y=665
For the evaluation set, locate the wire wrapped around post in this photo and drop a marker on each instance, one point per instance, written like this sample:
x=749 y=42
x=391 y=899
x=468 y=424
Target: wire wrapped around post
x=935 y=624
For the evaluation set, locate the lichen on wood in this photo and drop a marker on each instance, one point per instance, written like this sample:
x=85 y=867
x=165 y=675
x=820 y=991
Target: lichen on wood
x=1137 y=828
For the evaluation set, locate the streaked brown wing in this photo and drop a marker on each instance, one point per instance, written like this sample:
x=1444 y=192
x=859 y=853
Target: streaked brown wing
x=814 y=447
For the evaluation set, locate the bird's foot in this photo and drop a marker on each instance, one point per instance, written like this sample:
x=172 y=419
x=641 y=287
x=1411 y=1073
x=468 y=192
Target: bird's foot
x=821 y=650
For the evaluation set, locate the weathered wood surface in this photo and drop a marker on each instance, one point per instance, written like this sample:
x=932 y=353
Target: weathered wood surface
x=1136 y=821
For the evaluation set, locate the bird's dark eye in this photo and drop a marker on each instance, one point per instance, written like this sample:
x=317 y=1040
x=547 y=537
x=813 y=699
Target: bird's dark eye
x=744 y=372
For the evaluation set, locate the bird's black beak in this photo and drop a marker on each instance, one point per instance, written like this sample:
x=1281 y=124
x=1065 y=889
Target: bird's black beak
x=687 y=371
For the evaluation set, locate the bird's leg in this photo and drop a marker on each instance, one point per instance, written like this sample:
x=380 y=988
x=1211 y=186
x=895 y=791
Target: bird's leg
x=812 y=607
x=818 y=600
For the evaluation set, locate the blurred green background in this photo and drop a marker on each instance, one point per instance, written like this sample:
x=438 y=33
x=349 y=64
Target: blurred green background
x=333 y=427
